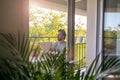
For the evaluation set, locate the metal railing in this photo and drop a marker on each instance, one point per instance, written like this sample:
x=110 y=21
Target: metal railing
x=80 y=54
x=44 y=39
x=80 y=48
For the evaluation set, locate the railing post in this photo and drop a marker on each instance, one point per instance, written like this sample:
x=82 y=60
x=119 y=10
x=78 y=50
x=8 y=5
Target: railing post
x=49 y=39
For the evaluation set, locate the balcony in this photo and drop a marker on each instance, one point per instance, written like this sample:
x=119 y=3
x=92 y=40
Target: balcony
x=14 y=18
x=80 y=48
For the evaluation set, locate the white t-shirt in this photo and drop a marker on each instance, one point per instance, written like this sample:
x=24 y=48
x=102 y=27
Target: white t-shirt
x=59 y=47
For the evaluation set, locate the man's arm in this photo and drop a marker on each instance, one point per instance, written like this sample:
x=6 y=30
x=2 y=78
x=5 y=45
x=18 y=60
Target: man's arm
x=54 y=45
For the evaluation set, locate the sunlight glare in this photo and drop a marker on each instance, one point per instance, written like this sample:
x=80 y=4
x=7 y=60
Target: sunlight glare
x=33 y=5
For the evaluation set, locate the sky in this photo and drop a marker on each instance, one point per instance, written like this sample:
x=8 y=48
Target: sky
x=111 y=19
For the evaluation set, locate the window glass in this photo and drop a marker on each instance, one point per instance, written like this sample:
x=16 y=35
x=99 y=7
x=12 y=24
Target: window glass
x=112 y=27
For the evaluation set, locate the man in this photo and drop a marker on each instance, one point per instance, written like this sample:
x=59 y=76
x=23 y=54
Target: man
x=60 y=45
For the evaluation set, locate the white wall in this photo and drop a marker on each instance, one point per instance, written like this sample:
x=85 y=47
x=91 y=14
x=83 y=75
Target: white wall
x=91 y=30
x=14 y=16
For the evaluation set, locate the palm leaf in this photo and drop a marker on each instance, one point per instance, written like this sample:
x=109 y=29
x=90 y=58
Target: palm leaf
x=48 y=66
x=96 y=66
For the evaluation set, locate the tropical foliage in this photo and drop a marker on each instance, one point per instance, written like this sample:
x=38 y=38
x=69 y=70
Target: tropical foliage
x=17 y=63
x=45 y=22
x=101 y=68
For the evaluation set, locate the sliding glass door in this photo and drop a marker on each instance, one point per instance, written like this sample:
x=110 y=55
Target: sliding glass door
x=111 y=27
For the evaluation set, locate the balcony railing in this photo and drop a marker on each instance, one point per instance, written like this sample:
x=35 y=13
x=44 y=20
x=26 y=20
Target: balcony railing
x=80 y=54
x=80 y=48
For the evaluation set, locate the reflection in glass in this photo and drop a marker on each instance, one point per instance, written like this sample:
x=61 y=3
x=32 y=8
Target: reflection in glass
x=112 y=27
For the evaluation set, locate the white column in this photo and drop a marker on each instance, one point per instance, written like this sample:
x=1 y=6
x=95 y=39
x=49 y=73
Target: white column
x=91 y=30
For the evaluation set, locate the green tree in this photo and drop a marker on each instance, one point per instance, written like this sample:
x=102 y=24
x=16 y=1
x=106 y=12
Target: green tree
x=110 y=37
x=46 y=22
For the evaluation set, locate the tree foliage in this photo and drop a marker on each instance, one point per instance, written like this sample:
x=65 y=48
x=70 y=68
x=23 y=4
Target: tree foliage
x=110 y=37
x=44 y=22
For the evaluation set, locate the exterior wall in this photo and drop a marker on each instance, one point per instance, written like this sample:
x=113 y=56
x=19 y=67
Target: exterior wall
x=14 y=16
x=91 y=30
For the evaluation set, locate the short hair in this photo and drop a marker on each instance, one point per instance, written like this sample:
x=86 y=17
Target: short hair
x=63 y=32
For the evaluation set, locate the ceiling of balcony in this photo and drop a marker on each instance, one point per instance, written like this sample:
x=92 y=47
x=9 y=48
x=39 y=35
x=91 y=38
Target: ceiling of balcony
x=61 y=5
x=80 y=4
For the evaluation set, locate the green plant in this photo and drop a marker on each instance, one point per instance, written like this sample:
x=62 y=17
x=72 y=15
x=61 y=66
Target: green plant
x=100 y=66
x=14 y=56
x=113 y=73
x=16 y=63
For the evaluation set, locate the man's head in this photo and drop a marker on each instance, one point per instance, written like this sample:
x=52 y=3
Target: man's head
x=61 y=35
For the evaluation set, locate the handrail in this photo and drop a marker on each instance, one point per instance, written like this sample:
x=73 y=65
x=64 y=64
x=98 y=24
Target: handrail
x=80 y=49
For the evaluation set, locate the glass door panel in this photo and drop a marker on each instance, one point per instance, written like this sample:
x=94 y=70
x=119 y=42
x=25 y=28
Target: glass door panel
x=112 y=27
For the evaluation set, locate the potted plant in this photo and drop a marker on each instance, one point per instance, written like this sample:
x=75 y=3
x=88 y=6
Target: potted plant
x=16 y=63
